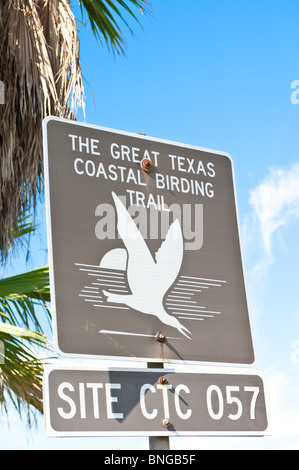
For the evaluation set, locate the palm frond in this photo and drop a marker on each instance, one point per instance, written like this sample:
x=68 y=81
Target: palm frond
x=26 y=226
x=40 y=69
x=105 y=17
x=41 y=72
x=33 y=284
x=20 y=371
x=24 y=297
x=23 y=304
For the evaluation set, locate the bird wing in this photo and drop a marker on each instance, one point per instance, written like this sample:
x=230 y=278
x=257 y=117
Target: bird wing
x=169 y=257
x=139 y=255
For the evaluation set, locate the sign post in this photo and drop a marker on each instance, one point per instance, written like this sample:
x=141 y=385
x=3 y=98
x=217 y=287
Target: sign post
x=146 y=265
x=158 y=442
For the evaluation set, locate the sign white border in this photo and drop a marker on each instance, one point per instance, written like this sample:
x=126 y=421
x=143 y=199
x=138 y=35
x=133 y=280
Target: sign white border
x=50 y=251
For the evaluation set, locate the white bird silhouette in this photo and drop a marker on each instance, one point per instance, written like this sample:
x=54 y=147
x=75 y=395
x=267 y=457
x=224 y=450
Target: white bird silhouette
x=148 y=279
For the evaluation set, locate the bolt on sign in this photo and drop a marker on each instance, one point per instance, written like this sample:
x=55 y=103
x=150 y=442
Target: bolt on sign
x=143 y=402
x=145 y=257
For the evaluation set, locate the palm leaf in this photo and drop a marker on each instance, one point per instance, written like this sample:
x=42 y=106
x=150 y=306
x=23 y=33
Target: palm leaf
x=20 y=296
x=21 y=372
x=26 y=226
x=33 y=284
x=41 y=72
x=40 y=69
x=21 y=235
x=105 y=17
x=23 y=303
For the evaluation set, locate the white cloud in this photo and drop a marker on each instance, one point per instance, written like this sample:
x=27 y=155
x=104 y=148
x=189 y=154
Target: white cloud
x=283 y=409
x=275 y=202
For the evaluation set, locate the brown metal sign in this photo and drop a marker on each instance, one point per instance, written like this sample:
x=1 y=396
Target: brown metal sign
x=89 y=402
x=143 y=241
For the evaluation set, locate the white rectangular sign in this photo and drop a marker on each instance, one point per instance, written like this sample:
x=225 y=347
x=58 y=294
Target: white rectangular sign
x=159 y=402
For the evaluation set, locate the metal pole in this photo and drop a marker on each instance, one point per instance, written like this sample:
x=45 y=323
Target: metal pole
x=158 y=442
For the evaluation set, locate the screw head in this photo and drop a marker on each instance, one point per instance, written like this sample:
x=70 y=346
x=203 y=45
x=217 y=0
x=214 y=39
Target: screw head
x=166 y=422
x=162 y=380
x=161 y=337
x=146 y=165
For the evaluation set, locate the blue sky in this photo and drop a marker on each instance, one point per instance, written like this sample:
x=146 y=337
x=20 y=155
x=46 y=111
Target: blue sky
x=216 y=74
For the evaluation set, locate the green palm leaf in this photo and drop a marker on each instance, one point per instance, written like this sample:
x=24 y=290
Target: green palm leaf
x=26 y=227
x=21 y=294
x=33 y=284
x=105 y=16
x=21 y=372
x=23 y=307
